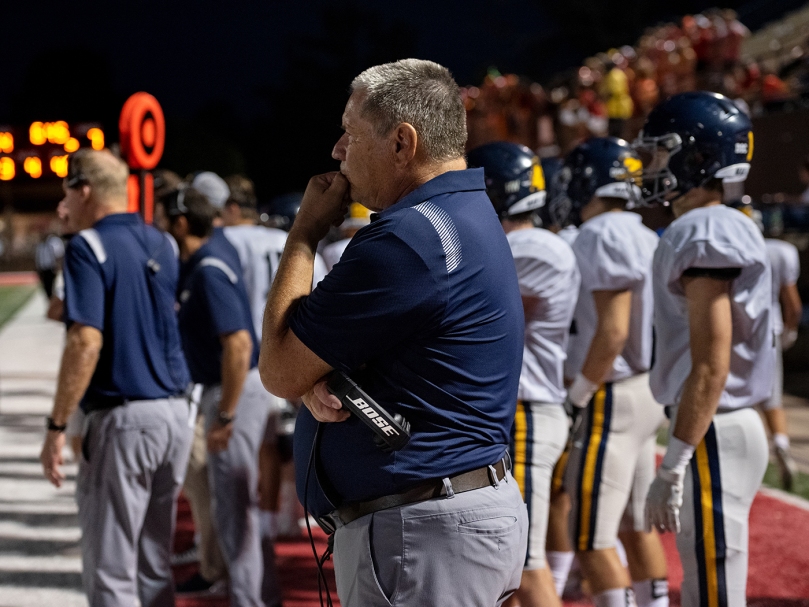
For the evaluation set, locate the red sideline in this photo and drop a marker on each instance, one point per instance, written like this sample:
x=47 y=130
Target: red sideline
x=779 y=560
x=16 y=279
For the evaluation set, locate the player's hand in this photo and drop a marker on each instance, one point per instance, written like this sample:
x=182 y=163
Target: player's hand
x=574 y=413
x=788 y=338
x=664 y=500
x=51 y=457
x=219 y=436
x=324 y=406
x=325 y=203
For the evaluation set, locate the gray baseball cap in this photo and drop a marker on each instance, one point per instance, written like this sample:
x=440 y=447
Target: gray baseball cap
x=213 y=187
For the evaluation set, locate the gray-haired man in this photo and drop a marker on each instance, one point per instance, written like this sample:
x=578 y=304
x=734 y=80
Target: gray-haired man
x=424 y=312
x=124 y=365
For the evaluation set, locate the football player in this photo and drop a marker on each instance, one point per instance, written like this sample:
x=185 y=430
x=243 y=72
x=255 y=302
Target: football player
x=549 y=282
x=714 y=352
x=558 y=548
x=785 y=267
x=611 y=464
x=357 y=217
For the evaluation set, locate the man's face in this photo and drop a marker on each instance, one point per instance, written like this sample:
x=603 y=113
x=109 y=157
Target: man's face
x=366 y=159
x=178 y=228
x=73 y=208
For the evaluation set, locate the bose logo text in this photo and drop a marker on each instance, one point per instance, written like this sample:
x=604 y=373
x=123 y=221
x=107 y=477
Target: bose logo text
x=373 y=415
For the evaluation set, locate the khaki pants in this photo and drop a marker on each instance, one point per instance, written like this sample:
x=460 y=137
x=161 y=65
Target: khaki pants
x=127 y=493
x=196 y=488
x=463 y=551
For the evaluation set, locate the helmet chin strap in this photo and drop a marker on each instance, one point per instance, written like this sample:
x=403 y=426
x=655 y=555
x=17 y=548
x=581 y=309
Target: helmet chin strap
x=711 y=174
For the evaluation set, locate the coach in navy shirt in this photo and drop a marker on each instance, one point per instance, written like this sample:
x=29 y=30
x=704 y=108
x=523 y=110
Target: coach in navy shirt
x=222 y=351
x=124 y=362
x=423 y=311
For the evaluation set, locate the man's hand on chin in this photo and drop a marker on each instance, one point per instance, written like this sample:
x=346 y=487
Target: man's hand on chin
x=325 y=203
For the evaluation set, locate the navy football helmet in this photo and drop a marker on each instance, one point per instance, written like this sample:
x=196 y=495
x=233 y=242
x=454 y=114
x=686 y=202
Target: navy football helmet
x=283 y=210
x=690 y=139
x=606 y=167
x=514 y=179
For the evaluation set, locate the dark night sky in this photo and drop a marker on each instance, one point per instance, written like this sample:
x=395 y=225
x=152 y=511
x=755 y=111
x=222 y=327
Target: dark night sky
x=188 y=53
x=258 y=86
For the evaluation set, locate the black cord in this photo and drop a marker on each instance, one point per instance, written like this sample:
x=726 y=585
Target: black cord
x=321 y=574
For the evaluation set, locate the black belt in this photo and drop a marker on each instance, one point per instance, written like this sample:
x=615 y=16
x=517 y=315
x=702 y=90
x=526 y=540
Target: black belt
x=110 y=402
x=467 y=481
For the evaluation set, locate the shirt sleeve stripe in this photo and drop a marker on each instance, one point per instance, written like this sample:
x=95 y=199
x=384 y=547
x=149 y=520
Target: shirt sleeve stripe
x=214 y=262
x=447 y=232
x=92 y=238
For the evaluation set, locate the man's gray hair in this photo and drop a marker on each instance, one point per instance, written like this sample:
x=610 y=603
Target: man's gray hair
x=421 y=93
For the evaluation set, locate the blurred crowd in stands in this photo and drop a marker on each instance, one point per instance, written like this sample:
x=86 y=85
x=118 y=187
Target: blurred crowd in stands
x=612 y=92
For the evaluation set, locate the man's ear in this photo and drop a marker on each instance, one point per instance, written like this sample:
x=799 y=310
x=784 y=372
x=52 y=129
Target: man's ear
x=405 y=142
x=84 y=190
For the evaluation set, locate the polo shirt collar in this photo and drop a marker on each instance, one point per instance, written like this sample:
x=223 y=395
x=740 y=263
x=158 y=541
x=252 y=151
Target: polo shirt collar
x=468 y=180
x=119 y=219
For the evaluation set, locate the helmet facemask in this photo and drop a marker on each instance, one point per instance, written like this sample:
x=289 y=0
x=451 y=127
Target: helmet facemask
x=657 y=181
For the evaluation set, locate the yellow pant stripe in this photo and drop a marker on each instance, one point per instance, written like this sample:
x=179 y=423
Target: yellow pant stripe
x=708 y=534
x=588 y=477
x=520 y=446
x=559 y=471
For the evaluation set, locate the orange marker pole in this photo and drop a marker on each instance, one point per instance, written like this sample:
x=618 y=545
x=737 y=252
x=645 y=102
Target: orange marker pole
x=143 y=137
x=147 y=195
x=133 y=194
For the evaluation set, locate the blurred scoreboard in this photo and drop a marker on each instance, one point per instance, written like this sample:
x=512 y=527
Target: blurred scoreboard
x=40 y=151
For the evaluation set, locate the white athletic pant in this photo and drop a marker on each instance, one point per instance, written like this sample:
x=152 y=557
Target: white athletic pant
x=612 y=463
x=720 y=484
x=537 y=441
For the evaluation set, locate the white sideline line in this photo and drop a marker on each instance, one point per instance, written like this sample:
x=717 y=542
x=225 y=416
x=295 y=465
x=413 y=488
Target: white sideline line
x=19 y=531
x=38 y=508
x=37 y=597
x=51 y=564
x=789 y=498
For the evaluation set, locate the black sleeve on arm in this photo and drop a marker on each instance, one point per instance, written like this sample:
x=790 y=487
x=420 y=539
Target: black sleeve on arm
x=717 y=273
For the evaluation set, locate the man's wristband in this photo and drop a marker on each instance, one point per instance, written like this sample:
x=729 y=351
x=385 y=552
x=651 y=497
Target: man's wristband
x=53 y=426
x=581 y=391
x=224 y=418
x=678 y=454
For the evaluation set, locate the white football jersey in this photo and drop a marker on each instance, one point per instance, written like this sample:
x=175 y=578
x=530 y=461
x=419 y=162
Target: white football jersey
x=614 y=251
x=260 y=249
x=785 y=266
x=549 y=285
x=333 y=252
x=714 y=237
x=568 y=234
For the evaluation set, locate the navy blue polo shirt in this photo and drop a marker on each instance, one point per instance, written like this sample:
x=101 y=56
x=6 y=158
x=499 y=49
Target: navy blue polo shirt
x=213 y=303
x=424 y=312
x=109 y=286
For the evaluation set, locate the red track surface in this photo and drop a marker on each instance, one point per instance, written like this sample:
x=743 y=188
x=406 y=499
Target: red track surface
x=778 y=576
x=15 y=279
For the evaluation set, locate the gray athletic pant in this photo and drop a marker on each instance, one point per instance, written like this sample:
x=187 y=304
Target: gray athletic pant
x=463 y=551
x=127 y=494
x=233 y=476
